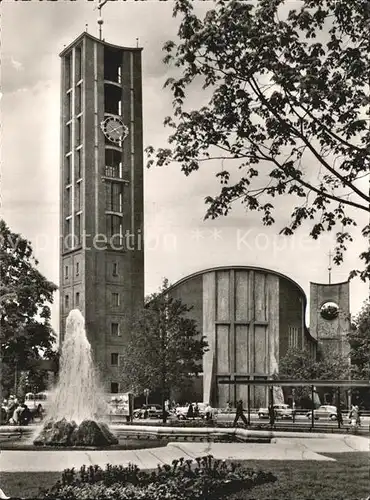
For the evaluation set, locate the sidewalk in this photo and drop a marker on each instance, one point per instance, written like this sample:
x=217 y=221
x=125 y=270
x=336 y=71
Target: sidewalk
x=281 y=448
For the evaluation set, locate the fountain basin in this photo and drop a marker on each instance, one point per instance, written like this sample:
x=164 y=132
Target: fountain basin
x=22 y=439
x=23 y=444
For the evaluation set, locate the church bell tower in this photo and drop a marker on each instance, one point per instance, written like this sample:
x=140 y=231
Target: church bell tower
x=101 y=193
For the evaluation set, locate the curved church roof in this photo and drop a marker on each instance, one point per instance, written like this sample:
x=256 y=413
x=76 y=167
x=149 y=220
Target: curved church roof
x=238 y=268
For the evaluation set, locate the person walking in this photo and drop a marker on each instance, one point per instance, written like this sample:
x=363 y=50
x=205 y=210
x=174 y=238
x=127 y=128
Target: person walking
x=190 y=413
x=3 y=419
x=272 y=415
x=240 y=413
x=15 y=419
x=25 y=415
x=12 y=406
x=209 y=413
x=354 y=417
x=339 y=416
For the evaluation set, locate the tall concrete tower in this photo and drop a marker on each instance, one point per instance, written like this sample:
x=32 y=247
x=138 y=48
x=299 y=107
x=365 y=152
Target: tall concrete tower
x=330 y=315
x=101 y=193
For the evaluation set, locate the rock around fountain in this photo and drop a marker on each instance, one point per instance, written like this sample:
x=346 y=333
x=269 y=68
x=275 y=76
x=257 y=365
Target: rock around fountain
x=77 y=402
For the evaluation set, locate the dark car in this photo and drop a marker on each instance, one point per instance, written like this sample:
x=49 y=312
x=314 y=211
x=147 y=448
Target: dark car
x=150 y=411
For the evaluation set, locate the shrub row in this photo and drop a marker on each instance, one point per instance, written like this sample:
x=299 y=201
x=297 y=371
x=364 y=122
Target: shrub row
x=199 y=479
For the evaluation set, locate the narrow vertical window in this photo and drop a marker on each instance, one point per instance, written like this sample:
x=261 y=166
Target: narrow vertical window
x=78 y=64
x=115 y=299
x=78 y=229
x=78 y=164
x=68 y=71
x=68 y=169
x=78 y=196
x=115 y=269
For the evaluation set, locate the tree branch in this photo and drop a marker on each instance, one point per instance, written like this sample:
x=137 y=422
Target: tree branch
x=308 y=144
x=311 y=187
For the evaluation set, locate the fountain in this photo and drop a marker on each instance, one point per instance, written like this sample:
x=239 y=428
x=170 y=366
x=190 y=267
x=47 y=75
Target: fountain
x=77 y=401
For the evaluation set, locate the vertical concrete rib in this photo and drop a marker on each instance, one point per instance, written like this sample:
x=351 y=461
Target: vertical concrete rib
x=132 y=143
x=96 y=139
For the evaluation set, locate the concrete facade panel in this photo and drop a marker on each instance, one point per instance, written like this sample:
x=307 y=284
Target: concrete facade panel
x=259 y=297
x=260 y=395
x=223 y=348
x=241 y=295
x=223 y=295
x=241 y=392
x=260 y=351
x=291 y=315
x=223 y=395
x=209 y=331
x=242 y=348
x=272 y=288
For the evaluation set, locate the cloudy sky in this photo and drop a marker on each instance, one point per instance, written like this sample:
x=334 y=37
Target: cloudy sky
x=178 y=240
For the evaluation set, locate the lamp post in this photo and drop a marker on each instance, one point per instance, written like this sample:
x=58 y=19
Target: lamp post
x=249 y=405
x=313 y=406
x=339 y=409
x=271 y=406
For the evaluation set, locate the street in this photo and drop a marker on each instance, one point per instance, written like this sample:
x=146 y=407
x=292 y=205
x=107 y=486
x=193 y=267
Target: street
x=301 y=421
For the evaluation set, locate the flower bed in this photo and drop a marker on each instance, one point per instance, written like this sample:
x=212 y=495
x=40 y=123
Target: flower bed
x=199 y=479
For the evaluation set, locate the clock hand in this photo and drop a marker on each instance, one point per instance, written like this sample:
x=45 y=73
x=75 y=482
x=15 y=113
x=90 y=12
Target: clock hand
x=116 y=128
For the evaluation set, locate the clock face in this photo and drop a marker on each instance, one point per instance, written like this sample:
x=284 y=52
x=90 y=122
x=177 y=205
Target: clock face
x=329 y=310
x=114 y=129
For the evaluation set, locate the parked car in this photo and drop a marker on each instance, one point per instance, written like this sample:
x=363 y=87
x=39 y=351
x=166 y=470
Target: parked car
x=150 y=411
x=325 y=412
x=181 y=412
x=202 y=409
x=281 y=411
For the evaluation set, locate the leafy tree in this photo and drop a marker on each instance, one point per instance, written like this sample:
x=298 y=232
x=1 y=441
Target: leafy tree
x=25 y=294
x=165 y=348
x=359 y=340
x=287 y=112
x=298 y=364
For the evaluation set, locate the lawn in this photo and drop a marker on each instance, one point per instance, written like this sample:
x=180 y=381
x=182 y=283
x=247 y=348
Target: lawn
x=26 y=484
x=346 y=479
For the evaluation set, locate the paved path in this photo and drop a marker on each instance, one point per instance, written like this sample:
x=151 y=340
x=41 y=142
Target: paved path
x=281 y=448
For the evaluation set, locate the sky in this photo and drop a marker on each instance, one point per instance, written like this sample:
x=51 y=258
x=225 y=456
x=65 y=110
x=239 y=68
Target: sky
x=178 y=240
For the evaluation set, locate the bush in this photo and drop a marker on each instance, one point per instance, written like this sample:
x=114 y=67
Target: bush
x=201 y=479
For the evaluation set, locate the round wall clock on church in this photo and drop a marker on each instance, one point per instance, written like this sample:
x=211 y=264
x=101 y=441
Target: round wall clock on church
x=114 y=129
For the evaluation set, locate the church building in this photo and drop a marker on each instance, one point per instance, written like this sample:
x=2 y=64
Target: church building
x=250 y=316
